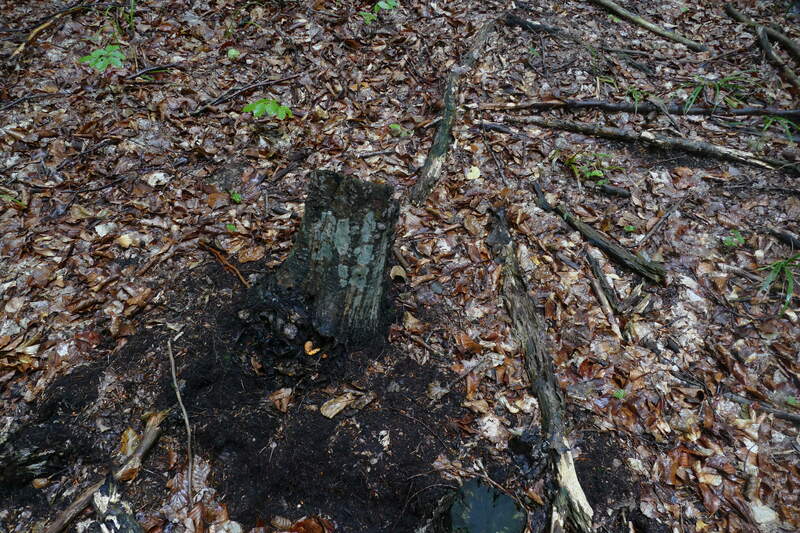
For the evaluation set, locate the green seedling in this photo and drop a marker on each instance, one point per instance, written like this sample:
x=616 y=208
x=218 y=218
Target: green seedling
x=235 y=197
x=784 y=124
x=384 y=5
x=734 y=240
x=231 y=227
x=630 y=229
x=637 y=95
x=534 y=52
x=101 y=58
x=268 y=106
x=614 y=19
x=399 y=131
x=791 y=400
x=619 y=394
x=608 y=81
x=730 y=90
x=785 y=269
x=233 y=53
x=591 y=166
x=9 y=198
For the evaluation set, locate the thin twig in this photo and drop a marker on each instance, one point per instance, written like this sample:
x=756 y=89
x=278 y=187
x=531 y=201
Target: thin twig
x=233 y=93
x=227 y=264
x=185 y=421
x=674 y=207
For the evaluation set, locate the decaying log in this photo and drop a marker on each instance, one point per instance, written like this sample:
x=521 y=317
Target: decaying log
x=570 y=503
x=648 y=269
x=338 y=264
x=649 y=26
x=432 y=169
x=641 y=108
x=664 y=141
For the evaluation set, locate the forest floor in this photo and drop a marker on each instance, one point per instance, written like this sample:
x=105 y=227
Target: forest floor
x=138 y=201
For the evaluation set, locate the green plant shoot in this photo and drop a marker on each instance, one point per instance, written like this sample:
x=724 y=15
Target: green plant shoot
x=101 y=58
x=268 y=106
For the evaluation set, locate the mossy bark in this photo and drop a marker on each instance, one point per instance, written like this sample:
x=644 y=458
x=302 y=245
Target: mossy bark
x=338 y=264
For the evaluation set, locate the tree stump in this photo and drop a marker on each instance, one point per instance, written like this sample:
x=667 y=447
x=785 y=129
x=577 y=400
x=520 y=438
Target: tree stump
x=335 y=278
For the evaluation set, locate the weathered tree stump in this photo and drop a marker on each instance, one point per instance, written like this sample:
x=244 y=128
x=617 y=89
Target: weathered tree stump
x=335 y=277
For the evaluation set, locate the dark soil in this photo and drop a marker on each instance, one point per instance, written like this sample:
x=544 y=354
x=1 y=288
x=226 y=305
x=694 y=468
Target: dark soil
x=368 y=470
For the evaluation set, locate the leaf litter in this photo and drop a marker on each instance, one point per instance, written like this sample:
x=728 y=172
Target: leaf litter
x=114 y=184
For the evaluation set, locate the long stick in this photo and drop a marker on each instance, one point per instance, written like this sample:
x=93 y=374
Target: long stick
x=432 y=169
x=646 y=24
x=664 y=141
x=788 y=44
x=641 y=108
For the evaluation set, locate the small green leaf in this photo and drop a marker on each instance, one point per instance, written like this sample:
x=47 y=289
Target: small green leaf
x=791 y=400
x=368 y=17
x=630 y=229
x=235 y=197
x=101 y=58
x=8 y=198
x=603 y=181
x=268 y=106
x=230 y=227
x=233 y=53
x=619 y=394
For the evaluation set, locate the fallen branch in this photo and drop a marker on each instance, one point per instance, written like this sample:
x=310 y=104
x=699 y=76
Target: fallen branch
x=762 y=36
x=647 y=269
x=227 y=264
x=775 y=59
x=786 y=238
x=664 y=141
x=641 y=108
x=570 y=503
x=646 y=24
x=777 y=413
x=125 y=472
x=49 y=21
x=432 y=169
x=232 y=93
x=788 y=44
x=674 y=207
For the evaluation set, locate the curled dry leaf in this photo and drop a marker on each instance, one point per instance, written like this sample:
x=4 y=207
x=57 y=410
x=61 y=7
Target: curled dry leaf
x=336 y=405
x=281 y=398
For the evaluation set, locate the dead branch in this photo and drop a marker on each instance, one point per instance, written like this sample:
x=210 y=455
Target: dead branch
x=647 y=269
x=646 y=24
x=788 y=44
x=570 y=503
x=432 y=169
x=230 y=94
x=786 y=238
x=777 y=413
x=674 y=207
x=763 y=35
x=642 y=108
x=125 y=472
x=664 y=141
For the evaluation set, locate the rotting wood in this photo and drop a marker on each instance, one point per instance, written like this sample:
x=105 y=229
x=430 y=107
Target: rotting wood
x=125 y=472
x=641 y=108
x=647 y=269
x=664 y=141
x=570 y=503
x=335 y=279
x=792 y=47
x=432 y=169
x=646 y=24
